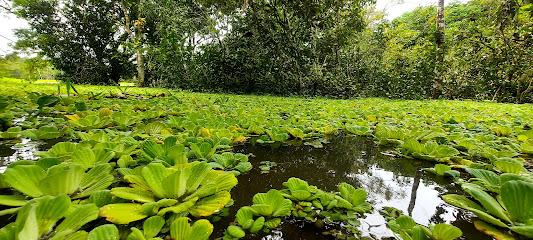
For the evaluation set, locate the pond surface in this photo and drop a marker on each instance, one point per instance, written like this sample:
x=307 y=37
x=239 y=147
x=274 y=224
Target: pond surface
x=389 y=181
x=12 y=150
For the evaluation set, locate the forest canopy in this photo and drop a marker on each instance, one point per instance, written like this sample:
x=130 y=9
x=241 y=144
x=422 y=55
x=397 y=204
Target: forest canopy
x=332 y=48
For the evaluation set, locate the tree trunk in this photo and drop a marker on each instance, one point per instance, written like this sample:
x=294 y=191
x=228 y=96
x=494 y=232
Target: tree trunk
x=137 y=39
x=140 y=68
x=437 y=82
x=140 y=57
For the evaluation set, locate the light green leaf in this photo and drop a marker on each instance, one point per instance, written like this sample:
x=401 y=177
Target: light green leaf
x=12 y=200
x=489 y=203
x=81 y=215
x=441 y=168
x=122 y=213
x=523 y=230
x=444 y=231
x=245 y=217
x=210 y=205
x=62 y=180
x=517 y=196
x=25 y=179
x=104 y=232
x=153 y=174
x=152 y=226
x=133 y=194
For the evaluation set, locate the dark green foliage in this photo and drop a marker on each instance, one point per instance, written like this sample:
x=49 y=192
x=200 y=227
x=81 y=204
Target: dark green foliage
x=80 y=39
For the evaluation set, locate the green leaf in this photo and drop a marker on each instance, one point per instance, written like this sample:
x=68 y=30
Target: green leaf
x=489 y=203
x=492 y=231
x=49 y=210
x=406 y=222
x=441 y=168
x=47 y=101
x=153 y=174
x=133 y=194
x=153 y=149
x=413 y=146
x=210 y=205
x=104 y=232
x=257 y=225
x=62 y=179
x=175 y=185
x=135 y=234
x=8 y=232
x=245 y=217
x=461 y=201
x=523 y=230
x=489 y=179
x=122 y=213
x=152 y=226
x=12 y=200
x=419 y=233
x=81 y=215
x=30 y=227
x=509 y=165
x=79 y=235
x=299 y=188
x=444 y=231
x=198 y=173
x=517 y=196
x=236 y=232
x=273 y=223
x=181 y=230
x=25 y=179
x=98 y=178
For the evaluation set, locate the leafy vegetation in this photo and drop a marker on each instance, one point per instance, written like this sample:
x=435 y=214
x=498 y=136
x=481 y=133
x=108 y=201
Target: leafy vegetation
x=342 y=49
x=154 y=158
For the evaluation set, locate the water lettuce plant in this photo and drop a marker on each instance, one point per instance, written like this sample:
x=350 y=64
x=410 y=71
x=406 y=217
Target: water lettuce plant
x=230 y=161
x=305 y=202
x=38 y=219
x=512 y=210
x=191 y=188
x=72 y=179
x=124 y=155
x=406 y=228
x=443 y=170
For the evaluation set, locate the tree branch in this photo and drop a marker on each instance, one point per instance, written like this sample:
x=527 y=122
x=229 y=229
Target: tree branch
x=127 y=19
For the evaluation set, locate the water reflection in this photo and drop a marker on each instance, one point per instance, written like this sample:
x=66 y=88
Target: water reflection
x=22 y=149
x=389 y=182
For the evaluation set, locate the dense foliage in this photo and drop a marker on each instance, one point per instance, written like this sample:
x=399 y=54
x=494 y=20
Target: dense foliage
x=337 y=48
x=153 y=160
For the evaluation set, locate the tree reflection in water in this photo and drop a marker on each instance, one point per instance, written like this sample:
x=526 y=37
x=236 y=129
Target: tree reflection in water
x=389 y=181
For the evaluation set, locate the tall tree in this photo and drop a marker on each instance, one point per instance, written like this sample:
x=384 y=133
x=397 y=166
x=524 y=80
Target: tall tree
x=136 y=36
x=440 y=39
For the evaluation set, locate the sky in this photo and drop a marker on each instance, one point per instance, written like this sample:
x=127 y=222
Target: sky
x=394 y=8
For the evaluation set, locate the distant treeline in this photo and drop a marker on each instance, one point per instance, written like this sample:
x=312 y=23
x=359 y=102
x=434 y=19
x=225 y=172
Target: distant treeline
x=337 y=48
x=30 y=68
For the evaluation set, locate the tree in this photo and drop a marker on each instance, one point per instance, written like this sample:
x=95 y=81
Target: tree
x=440 y=38
x=136 y=35
x=492 y=50
x=80 y=38
x=285 y=47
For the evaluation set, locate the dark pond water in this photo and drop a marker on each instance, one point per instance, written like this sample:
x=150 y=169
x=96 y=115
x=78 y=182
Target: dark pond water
x=389 y=181
x=12 y=150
